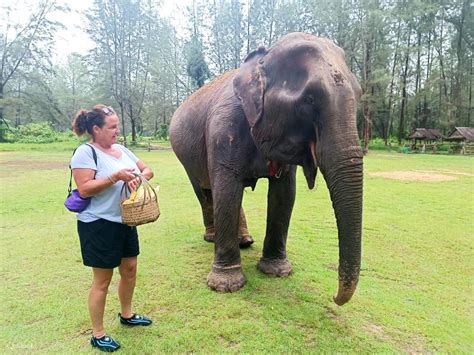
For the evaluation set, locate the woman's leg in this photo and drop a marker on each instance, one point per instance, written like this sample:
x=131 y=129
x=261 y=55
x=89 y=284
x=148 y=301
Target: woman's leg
x=97 y=297
x=128 y=277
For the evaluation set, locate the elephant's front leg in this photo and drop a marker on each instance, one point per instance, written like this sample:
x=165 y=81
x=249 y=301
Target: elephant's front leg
x=226 y=274
x=281 y=198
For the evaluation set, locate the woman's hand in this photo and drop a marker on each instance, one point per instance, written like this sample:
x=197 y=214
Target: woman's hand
x=133 y=184
x=125 y=175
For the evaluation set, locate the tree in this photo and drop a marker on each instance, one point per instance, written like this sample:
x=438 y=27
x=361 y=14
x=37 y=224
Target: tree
x=226 y=40
x=122 y=30
x=461 y=17
x=73 y=84
x=412 y=58
x=261 y=23
x=26 y=48
x=196 y=67
x=167 y=88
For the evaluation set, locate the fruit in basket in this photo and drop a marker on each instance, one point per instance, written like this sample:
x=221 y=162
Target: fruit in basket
x=131 y=199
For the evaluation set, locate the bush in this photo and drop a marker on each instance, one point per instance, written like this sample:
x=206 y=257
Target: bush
x=3 y=132
x=162 y=132
x=379 y=144
x=42 y=132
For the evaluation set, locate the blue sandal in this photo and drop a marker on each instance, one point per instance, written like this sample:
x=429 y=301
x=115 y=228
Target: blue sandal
x=105 y=343
x=135 y=319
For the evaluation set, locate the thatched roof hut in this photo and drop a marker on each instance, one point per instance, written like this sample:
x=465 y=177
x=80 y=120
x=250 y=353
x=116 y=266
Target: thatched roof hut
x=426 y=134
x=462 y=134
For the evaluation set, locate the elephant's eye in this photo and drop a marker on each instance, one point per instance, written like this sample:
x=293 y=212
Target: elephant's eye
x=309 y=100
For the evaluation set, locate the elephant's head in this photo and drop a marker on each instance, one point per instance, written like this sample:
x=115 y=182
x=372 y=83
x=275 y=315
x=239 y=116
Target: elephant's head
x=300 y=100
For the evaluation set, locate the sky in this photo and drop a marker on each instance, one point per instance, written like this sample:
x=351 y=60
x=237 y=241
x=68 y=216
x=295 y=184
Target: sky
x=73 y=37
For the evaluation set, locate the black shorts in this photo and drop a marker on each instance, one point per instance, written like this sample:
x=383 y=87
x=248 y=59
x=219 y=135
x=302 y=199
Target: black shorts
x=105 y=243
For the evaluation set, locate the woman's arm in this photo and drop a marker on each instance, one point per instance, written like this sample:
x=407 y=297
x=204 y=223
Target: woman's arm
x=88 y=186
x=146 y=172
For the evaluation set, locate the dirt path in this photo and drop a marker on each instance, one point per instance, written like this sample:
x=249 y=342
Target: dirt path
x=428 y=176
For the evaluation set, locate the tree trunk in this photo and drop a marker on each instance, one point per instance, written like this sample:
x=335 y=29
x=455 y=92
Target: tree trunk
x=18 y=109
x=2 y=119
x=441 y=62
x=133 y=123
x=470 y=108
x=367 y=113
x=272 y=20
x=217 y=37
x=176 y=75
x=390 y=95
x=425 y=112
x=122 y=115
x=457 y=96
x=401 y=127
x=248 y=27
x=418 y=79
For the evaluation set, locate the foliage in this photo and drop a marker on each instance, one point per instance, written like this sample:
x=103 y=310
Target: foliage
x=4 y=131
x=123 y=32
x=417 y=259
x=162 y=132
x=196 y=67
x=26 y=52
x=413 y=59
x=42 y=132
x=226 y=40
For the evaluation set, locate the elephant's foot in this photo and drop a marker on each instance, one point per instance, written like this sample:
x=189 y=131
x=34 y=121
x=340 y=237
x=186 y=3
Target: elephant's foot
x=226 y=279
x=275 y=267
x=245 y=241
x=209 y=234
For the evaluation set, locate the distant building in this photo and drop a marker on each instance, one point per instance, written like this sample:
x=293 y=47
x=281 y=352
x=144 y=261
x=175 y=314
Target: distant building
x=462 y=139
x=426 y=134
x=427 y=137
x=461 y=135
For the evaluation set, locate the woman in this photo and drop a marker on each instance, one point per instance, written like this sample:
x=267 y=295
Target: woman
x=106 y=243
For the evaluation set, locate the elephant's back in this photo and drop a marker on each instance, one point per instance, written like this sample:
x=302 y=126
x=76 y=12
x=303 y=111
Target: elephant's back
x=194 y=111
x=189 y=123
x=203 y=98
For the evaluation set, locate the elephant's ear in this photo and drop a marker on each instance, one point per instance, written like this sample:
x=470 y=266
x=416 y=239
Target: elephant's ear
x=355 y=87
x=249 y=86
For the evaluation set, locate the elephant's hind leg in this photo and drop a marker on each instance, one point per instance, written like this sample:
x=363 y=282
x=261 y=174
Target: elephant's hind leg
x=205 y=199
x=245 y=239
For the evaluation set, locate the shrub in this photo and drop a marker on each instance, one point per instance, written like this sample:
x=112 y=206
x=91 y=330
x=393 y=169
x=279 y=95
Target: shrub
x=4 y=130
x=42 y=132
x=162 y=133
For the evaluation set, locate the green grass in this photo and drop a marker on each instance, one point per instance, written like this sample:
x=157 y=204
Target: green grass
x=415 y=292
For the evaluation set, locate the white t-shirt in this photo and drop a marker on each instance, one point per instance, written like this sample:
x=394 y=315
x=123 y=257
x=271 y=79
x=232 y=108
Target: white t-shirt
x=105 y=204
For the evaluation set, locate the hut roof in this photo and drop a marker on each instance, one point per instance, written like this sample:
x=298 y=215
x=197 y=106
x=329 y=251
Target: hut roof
x=462 y=134
x=426 y=134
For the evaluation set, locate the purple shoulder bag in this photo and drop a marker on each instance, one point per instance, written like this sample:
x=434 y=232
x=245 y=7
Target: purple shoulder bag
x=74 y=202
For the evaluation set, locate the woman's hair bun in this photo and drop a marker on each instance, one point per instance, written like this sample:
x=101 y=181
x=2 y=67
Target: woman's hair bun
x=85 y=120
x=79 y=124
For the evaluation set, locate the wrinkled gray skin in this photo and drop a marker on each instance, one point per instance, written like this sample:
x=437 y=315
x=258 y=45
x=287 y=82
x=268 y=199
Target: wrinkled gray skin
x=294 y=104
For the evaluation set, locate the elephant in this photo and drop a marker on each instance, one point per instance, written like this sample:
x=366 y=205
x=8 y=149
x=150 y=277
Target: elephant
x=291 y=105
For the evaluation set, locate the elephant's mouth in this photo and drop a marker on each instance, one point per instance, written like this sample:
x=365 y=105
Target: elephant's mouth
x=305 y=157
x=310 y=166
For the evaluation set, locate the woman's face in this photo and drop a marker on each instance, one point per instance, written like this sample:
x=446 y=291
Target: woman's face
x=108 y=133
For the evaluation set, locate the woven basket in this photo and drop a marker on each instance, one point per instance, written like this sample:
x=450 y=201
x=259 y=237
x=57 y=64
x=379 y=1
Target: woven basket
x=143 y=210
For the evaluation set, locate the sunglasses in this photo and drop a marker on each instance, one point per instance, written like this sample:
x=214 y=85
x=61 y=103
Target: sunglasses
x=108 y=110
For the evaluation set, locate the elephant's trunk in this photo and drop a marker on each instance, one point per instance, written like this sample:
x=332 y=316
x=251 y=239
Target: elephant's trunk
x=345 y=180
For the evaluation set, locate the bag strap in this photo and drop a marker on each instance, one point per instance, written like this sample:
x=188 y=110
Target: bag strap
x=94 y=155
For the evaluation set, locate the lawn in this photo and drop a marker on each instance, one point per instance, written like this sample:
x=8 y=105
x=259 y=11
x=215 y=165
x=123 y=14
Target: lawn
x=415 y=292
